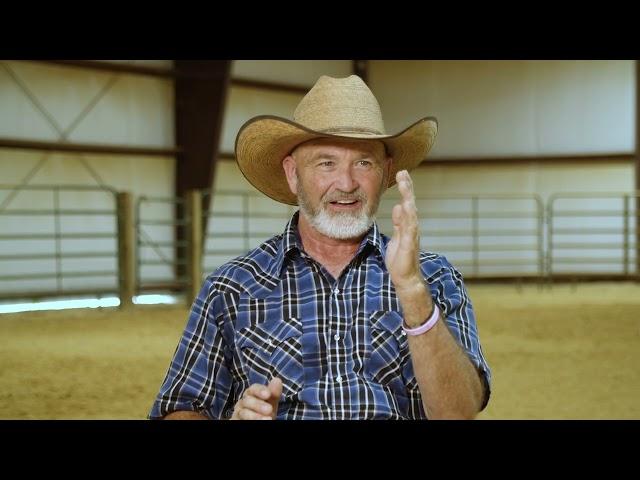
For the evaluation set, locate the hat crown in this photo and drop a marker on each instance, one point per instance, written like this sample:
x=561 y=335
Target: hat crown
x=340 y=106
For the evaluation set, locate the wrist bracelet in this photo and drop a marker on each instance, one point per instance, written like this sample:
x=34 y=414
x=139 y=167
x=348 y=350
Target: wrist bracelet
x=425 y=327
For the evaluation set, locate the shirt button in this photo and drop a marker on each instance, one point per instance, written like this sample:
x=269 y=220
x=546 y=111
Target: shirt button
x=339 y=378
x=403 y=333
x=336 y=337
x=336 y=291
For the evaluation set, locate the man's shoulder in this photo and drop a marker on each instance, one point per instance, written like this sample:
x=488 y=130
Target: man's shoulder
x=249 y=273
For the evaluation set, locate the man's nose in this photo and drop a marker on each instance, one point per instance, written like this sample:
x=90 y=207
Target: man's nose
x=345 y=181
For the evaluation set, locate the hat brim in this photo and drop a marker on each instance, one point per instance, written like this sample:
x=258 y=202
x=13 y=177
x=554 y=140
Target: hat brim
x=264 y=141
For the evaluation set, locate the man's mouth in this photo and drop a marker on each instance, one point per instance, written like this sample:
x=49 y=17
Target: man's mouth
x=345 y=204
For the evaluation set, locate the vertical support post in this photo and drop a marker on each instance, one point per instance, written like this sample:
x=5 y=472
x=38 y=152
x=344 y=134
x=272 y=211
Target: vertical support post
x=540 y=212
x=625 y=238
x=476 y=236
x=126 y=250
x=58 y=239
x=361 y=68
x=637 y=152
x=550 y=240
x=193 y=203
x=138 y=240
x=200 y=98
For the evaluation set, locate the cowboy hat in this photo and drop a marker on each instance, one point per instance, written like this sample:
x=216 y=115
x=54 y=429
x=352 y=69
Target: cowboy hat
x=333 y=108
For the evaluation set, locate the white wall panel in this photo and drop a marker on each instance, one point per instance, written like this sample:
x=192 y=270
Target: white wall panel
x=134 y=109
x=509 y=108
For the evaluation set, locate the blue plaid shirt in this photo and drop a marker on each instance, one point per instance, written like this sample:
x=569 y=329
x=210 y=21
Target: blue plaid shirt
x=337 y=344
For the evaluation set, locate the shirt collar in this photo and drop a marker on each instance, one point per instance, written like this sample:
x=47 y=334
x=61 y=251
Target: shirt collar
x=291 y=242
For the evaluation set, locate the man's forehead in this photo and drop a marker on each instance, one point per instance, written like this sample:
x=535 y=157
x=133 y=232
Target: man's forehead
x=320 y=145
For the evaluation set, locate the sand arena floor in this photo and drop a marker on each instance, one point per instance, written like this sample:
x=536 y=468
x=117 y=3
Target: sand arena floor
x=570 y=352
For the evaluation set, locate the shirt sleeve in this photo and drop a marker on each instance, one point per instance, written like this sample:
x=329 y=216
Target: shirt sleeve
x=448 y=290
x=198 y=378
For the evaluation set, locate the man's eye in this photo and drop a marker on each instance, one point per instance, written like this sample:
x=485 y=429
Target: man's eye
x=364 y=163
x=326 y=164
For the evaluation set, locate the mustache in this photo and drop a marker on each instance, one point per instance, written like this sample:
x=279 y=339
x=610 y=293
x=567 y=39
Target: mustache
x=343 y=196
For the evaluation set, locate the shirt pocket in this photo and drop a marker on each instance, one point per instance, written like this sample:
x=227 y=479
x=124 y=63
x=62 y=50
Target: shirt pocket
x=389 y=361
x=273 y=349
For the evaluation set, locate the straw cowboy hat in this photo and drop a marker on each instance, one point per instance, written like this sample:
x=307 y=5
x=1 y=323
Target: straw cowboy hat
x=333 y=108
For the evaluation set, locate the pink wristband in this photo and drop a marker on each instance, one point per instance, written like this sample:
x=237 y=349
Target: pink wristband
x=425 y=327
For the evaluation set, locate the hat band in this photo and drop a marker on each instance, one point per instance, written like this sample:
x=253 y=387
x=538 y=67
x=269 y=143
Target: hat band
x=365 y=131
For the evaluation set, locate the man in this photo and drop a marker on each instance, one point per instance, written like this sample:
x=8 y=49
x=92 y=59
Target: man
x=331 y=319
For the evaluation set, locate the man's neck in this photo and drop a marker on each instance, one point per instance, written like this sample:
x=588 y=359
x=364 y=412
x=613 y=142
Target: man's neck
x=332 y=253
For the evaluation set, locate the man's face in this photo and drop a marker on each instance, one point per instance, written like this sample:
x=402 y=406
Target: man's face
x=338 y=184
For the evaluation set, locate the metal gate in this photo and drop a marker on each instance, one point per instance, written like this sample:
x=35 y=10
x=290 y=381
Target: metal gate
x=593 y=234
x=63 y=241
x=157 y=265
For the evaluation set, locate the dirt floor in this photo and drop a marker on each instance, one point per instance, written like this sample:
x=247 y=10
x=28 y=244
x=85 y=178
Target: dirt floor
x=570 y=352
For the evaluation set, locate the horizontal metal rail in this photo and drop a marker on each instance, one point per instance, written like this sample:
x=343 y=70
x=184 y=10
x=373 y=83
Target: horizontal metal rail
x=48 y=256
x=66 y=274
x=24 y=212
x=590 y=246
x=589 y=231
x=52 y=236
x=65 y=188
x=68 y=292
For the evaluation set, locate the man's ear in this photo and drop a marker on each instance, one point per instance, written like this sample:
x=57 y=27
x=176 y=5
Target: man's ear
x=289 y=166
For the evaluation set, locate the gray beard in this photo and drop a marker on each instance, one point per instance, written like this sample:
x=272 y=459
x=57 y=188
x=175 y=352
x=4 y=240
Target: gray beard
x=341 y=226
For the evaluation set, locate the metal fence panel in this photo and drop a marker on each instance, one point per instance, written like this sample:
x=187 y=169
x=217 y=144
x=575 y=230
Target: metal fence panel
x=592 y=233
x=57 y=240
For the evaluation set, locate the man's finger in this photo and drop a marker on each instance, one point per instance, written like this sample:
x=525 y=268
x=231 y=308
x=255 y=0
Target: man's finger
x=402 y=223
x=405 y=185
x=407 y=216
x=258 y=391
x=275 y=389
x=255 y=404
x=253 y=400
x=397 y=215
x=247 y=414
x=408 y=202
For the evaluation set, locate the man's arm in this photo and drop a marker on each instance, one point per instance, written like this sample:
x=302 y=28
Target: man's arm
x=449 y=383
x=198 y=377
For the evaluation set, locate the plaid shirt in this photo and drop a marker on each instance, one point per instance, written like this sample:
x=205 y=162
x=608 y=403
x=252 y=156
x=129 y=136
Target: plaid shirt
x=337 y=344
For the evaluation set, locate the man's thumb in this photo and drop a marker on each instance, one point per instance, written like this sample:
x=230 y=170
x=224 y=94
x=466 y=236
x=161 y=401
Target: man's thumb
x=275 y=388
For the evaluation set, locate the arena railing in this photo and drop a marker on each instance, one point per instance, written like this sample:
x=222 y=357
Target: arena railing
x=593 y=236
x=486 y=236
x=52 y=244
x=166 y=243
